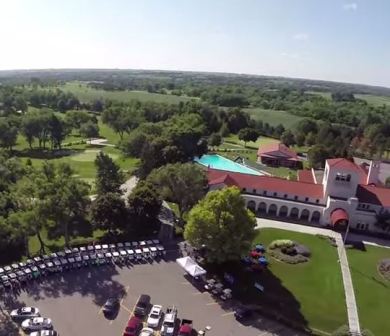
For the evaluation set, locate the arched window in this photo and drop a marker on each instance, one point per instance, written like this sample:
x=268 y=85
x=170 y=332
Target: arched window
x=316 y=216
x=251 y=206
x=294 y=213
x=273 y=209
x=305 y=214
x=283 y=211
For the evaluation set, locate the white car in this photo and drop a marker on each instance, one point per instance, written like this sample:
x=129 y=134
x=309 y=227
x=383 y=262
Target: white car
x=25 y=313
x=154 y=316
x=44 y=333
x=36 y=324
x=146 y=332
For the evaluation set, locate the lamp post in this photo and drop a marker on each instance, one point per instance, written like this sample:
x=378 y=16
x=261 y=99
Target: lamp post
x=203 y=332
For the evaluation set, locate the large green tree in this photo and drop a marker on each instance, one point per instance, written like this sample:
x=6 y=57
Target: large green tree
x=109 y=178
x=317 y=156
x=222 y=224
x=144 y=206
x=184 y=184
x=248 y=134
x=108 y=212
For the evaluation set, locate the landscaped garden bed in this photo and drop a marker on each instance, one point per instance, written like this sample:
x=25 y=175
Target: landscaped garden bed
x=289 y=251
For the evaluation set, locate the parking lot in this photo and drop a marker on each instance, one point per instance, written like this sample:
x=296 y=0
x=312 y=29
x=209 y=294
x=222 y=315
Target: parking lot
x=74 y=300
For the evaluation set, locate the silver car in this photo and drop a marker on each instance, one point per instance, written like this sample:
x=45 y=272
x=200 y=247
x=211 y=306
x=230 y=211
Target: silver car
x=36 y=324
x=25 y=313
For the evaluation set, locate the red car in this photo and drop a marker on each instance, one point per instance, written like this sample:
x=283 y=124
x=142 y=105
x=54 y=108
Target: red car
x=133 y=326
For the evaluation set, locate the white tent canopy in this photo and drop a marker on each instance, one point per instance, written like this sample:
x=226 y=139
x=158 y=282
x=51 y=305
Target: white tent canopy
x=190 y=266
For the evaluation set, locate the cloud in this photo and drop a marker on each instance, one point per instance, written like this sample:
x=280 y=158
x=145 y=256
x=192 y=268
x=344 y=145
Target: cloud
x=301 y=37
x=352 y=6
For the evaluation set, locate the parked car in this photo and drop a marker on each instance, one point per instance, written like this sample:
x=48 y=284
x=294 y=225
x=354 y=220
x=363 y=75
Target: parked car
x=134 y=325
x=44 y=333
x=146 y=332
x=111 y=306
x=36 y=324
x=25 y=313
x=243 y=313
x=154 y=316
x=169 y=323
x=185 y=328
x=142 y=306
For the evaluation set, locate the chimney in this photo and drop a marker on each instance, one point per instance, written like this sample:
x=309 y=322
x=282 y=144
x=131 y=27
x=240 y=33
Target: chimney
x=373 y=172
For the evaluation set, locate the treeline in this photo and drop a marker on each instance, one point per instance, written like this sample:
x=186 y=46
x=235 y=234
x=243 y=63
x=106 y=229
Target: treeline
x=370 y=139
x=14 y=99
x=43 y=127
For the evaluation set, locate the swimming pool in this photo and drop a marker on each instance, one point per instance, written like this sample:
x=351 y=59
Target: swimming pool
x=219 y=162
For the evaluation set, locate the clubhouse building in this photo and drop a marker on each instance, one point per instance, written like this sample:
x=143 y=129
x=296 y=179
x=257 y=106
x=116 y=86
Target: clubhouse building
x=345 y=193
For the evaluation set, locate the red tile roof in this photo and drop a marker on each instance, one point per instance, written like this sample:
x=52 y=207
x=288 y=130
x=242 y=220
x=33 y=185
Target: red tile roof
x=373 y=195
x=276 y=149
x=306 y=176
x=273 y=184
x=344 y=164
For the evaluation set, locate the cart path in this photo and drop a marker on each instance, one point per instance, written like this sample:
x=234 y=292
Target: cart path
x=353 y=317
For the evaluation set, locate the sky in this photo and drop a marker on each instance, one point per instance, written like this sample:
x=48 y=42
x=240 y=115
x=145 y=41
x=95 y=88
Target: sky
x=335 y=40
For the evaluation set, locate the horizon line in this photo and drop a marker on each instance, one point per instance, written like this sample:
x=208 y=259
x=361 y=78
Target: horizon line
x=196 y=71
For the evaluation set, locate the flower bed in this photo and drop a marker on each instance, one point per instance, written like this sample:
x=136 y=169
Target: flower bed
x=289 y=251
x=384 y=268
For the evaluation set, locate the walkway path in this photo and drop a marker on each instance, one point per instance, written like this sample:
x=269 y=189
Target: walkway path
x=353 y=318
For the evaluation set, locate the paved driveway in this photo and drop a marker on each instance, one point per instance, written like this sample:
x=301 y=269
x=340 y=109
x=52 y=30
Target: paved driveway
x=74 y=301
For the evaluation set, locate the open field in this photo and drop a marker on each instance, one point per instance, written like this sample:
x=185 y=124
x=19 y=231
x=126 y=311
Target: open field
x=85 y=93
x=372 y=291
x=324 y=94
x=273 y=117
x=374 y=100
x=314 y=288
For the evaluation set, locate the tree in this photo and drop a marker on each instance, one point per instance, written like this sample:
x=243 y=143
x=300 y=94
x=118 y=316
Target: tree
x=65 y=199
x=215 y=140
x=306 y=126
x=58 y=131
x=108 y=176
x=317 y=156
x=8 y=134
x=287 y=138
x=183 y=184
x=310 y=139
x=89 y=129
x=77 y=118
x=215 y=220
x=248 y=134
x=144 y=205
x=108 y=212
x=237 y=120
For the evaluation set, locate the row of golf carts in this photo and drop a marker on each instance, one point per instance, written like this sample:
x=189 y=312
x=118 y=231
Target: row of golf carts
x=18 y=274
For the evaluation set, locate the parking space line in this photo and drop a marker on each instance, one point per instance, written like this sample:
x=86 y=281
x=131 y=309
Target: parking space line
x=228 y=314
x=125 y=308
x=211 y=303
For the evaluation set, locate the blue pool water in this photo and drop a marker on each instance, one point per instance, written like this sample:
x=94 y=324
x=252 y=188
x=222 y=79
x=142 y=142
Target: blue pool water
x=221 y=163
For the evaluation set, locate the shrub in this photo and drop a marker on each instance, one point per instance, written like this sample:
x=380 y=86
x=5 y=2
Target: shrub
x=296 y=259
x=384 y=268
x=281 y=243
x=344 y=331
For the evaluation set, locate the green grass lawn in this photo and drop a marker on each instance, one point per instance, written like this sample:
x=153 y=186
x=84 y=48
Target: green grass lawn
x=372 y=291
x=85 y=93
x=273 y=117
x=316 y=285
x=374 y=100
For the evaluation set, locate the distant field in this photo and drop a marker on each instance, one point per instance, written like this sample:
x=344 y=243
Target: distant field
x=274 y=117
x=85 y=93
x=320 y=93
x=374 y=100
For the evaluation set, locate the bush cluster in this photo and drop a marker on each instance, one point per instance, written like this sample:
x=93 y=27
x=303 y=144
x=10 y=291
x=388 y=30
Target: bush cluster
x=289 y=259
x=384 y=268
x=331 y=240
x=281 y=243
